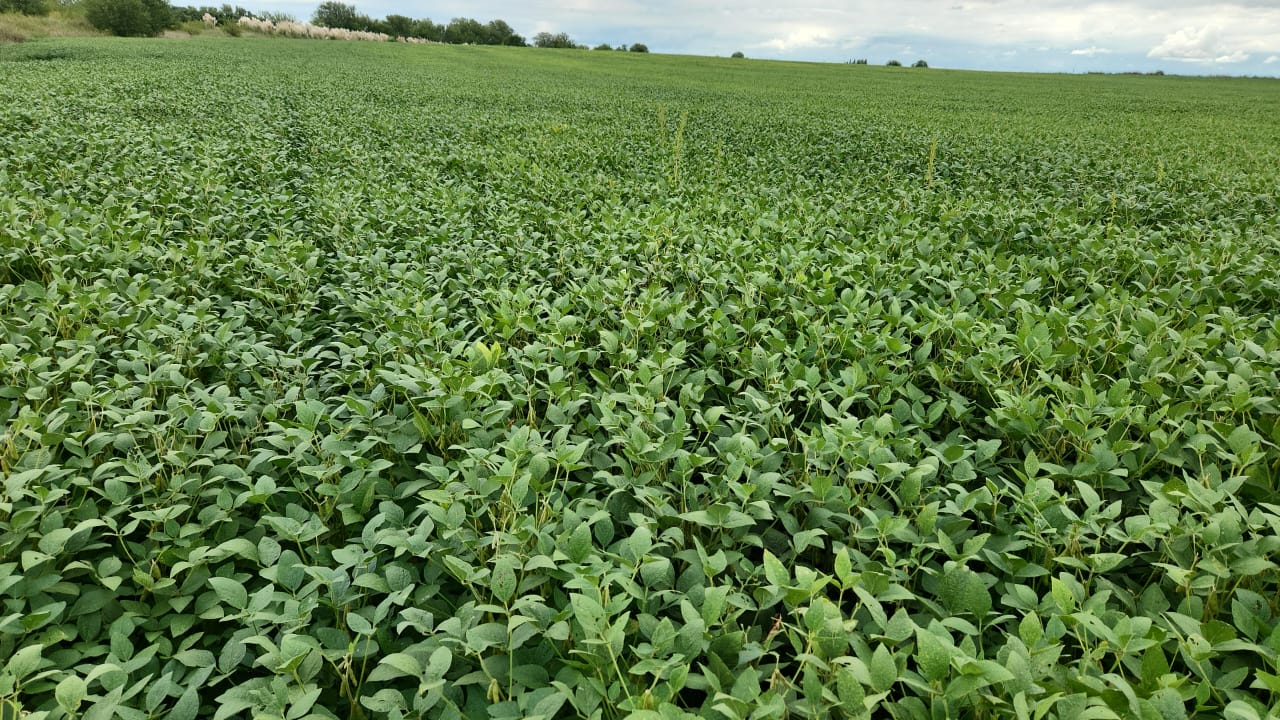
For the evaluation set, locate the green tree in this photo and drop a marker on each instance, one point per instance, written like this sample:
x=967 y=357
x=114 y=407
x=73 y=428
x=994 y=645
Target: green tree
x=140 y=18
x=893 y=63
x=920 y=64
x=334 y=14
x=498 y=32
x=603 y=46
x=639 y=47
x=399 y=25
x=427 y=30
x=556 y=40
x=464 y=31
x=738 y=55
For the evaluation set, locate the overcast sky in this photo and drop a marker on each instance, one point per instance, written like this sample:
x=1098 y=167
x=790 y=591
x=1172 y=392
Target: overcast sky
x=1177 y=36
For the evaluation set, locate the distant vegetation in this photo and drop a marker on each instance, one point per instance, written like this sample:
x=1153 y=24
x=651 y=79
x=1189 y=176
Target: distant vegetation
x=129 y=17
x=25 y=7
x=554 y=40
x=151 y=17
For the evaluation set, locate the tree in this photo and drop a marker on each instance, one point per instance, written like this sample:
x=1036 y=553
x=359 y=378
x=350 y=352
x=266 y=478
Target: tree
x=557 y=40
x=498 y=32
x=334 y=14
x=920 y=64
x=464 y=31
x=141 y=18
x=399 y=25
x=893 y=63
x=738 y=55
x=640 y=48
x=427 y=30
x=603 y=46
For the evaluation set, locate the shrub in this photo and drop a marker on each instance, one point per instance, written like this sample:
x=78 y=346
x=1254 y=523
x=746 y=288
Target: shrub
x=738 y=55
x=893 y=63
x=640 y=48
x=920 y=64
x=139 y=18
x=603 y=46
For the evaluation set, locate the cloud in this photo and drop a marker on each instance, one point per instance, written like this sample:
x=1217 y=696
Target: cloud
x=1192 y=44
x=1272 y=59
x=961 y=33
x=798 y=37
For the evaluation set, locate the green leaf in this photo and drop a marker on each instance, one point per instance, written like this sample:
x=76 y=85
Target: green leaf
x=54 y=541
x=70 y=693
x=589 y=613
x=774 y=571
x=24 y=662
x=883 y=669
x=1168 y=702
x=1030 y=630
x=398 y=578
x=230 y=592
x=933 y=656
x=359 y=624
x=503 y=580
x=438 y=664
x=579 y=545
x=1241 y=710
x=962 y=590
x=396 y=665
x=1242 y=439
x=849 y=691
x=483 y=637
x=187 y=707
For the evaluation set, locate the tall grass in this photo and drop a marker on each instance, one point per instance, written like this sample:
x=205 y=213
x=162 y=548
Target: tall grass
x=15 y=27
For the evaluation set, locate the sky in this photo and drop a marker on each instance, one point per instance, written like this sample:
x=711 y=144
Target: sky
x=1175 y=36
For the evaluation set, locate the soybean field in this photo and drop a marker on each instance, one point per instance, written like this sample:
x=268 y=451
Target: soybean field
x=368 y=380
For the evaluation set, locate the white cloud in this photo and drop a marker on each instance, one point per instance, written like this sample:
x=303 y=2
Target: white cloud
x=1272 y=59
x=1204 y=44
x=797 y=37
x=967 y=32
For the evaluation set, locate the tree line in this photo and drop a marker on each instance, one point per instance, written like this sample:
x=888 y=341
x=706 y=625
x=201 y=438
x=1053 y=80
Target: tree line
x=151 y=17
x=459 y=31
